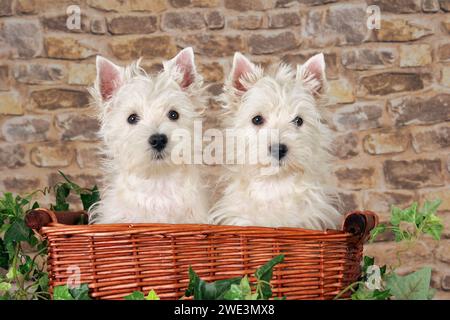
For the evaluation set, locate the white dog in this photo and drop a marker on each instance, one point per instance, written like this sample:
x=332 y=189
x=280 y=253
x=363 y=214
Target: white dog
x=287 y=101
x=138 y=115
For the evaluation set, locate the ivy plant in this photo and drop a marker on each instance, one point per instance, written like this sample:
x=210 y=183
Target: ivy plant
x=138 y=295
x=407 y=226
x=68 y=293
x=22 y=252
x=238 y=288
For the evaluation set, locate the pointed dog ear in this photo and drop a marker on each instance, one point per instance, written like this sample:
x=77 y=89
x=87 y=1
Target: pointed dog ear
x=241 y=70
x=182 y=67
x=312 y=74
x=109 y=77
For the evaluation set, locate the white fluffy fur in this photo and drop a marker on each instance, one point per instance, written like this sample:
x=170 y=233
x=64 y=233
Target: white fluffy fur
x=139 y=187
x=296 y=196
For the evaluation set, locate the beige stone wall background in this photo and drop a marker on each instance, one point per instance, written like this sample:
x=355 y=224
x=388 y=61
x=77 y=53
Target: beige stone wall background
x=389 y=88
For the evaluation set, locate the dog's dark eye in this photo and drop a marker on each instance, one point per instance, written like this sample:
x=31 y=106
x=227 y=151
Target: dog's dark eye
x=133 y=118
x=257 y=120
x=173 y=115
x=298 y=121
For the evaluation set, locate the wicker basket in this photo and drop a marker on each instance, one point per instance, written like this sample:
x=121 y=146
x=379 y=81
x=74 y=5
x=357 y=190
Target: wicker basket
x=118 y=259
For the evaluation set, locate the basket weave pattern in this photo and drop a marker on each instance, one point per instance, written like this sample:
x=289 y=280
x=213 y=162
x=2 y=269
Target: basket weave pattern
x=118 y=259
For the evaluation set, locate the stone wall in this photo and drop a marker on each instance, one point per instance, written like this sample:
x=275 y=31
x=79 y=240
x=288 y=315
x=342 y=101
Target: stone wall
x=389 y=88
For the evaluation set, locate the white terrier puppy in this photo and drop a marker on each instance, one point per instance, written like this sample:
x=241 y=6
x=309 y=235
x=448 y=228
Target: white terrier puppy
x=287 y=101
x=138 y=115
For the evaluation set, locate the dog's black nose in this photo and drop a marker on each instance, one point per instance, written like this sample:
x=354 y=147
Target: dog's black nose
x=158 y=141
x=278 y=151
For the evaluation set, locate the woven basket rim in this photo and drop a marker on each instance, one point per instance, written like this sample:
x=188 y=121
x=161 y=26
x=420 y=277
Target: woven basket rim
x=188 y=227
x=356 y=225
x=194 y=231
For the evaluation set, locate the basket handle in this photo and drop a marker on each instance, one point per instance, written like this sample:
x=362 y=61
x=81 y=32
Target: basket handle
x=360 y=223
x=40 y=217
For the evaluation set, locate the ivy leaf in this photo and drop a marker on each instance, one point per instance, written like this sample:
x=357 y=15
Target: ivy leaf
x=26 y=267
x=4 y=256
x=81 y=292
x=364 y=293
x=215 y=290
x=4 y=227
x=396 y=214
x=253 y=296
x=414 y=286
x=234 y=293
x=5 y=286
x=381 y=294
x=88 y=199
x=88 y=196
x=367 y=262
x=430 y=207
x=152 y=295
x=136 y=295
x=240 y=292
x=66 y=293
x=202 y=290
x=264 y=274
x=71 y=185
x=62 y=192
x=383 y=270
x=22 y=202
x=62 y=293
x=7 y=205
x=33 y=241
x=429 y=222
x=11 y=274
x=431 y=293
x=433 y=226
x=245 y=288
x=11 y=249
x=35 y=205
x=42 y=247
x=407 y=215
x=18 y=231
x=43 y=282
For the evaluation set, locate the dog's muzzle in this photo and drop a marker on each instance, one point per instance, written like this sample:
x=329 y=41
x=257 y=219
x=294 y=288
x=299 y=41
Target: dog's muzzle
x=158 y=141
x=278 y=151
